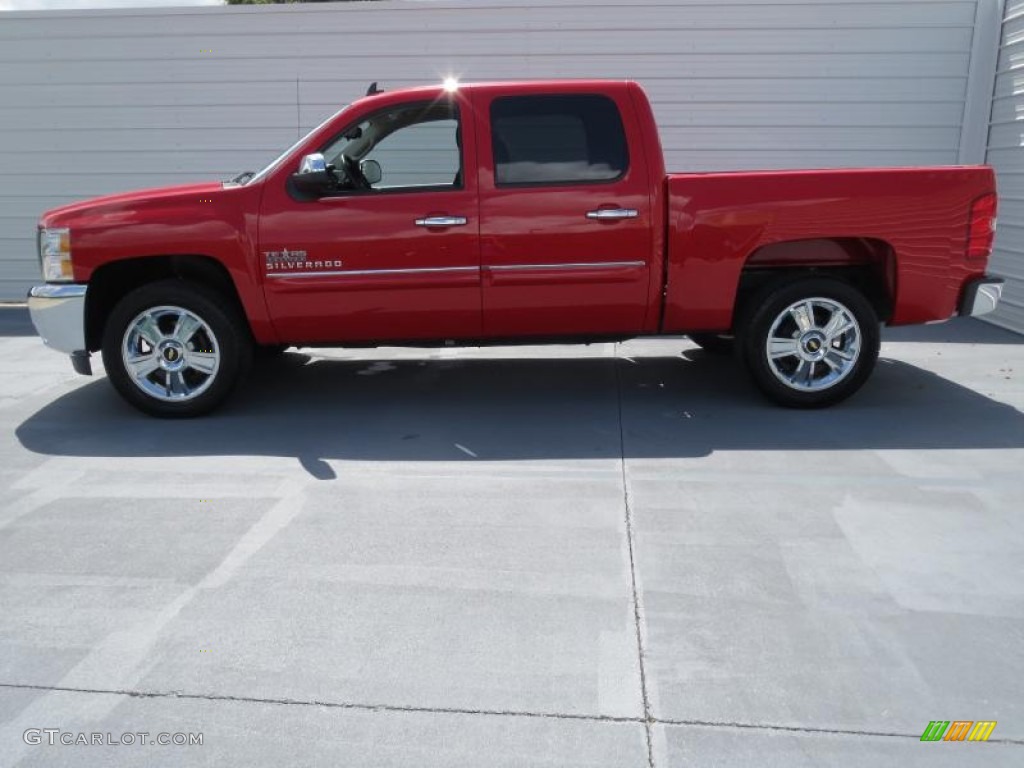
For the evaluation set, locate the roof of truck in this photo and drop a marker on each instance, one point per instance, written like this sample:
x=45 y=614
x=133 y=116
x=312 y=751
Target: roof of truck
x=513 y=87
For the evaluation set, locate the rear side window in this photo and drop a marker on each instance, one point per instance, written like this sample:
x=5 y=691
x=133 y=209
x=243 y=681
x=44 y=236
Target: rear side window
x=557 y=139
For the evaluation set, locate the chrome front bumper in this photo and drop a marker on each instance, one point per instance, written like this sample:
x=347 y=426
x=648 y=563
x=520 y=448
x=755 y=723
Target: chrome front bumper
x=981 y=296
x=58 y=313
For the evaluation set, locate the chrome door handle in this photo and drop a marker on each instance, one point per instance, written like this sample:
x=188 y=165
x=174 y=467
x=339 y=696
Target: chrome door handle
x=613 y=213
x=442 y=221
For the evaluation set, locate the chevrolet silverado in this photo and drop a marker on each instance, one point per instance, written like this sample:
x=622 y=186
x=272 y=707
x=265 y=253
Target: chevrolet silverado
x=508 y=213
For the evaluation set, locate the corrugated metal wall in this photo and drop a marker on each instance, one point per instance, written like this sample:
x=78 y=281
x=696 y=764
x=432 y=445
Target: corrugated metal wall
x=101 y=101
x=1006 y=154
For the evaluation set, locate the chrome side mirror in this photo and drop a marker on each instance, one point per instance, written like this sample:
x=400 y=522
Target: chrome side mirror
x=314 y=179
x=314 y=163
x=371 y=171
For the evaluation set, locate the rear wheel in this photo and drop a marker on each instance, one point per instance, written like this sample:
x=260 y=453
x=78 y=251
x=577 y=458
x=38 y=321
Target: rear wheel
x=171 y=349
x=811 y=343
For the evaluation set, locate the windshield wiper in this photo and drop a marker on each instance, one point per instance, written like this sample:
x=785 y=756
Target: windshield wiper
x=243 y=177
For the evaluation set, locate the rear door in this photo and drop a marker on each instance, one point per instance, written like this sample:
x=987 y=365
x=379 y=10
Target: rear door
x=565 y=213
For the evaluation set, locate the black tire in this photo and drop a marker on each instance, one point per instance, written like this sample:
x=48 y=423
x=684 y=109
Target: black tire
x=792 y=379
x=714 y=343
x=223 y=336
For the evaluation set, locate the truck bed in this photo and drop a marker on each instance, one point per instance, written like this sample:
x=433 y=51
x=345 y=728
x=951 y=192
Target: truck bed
x=911 y=223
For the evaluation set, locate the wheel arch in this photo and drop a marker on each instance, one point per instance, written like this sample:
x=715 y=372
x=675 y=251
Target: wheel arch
x=111 y=282
x=866 y=263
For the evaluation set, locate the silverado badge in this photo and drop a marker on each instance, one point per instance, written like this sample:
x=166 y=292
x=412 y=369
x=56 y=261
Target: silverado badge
x=284 y=260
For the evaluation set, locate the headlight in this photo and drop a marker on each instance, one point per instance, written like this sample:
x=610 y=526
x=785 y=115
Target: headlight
x=55 y=255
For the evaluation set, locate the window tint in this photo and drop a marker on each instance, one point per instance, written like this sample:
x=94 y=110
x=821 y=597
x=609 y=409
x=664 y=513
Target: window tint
x=557 y=139
x=416 y=145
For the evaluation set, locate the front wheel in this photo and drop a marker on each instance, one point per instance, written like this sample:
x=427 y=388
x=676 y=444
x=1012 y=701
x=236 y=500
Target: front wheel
x=811 y=343
x=171 y=349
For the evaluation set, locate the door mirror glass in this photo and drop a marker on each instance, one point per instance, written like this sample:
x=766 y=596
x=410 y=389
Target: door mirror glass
x=371 y=171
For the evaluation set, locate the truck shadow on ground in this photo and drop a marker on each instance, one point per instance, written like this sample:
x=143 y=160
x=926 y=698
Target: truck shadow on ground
x=519 y=409
x=14 y=321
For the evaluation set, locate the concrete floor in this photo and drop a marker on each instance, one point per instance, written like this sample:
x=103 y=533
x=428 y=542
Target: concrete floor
x=454 y=558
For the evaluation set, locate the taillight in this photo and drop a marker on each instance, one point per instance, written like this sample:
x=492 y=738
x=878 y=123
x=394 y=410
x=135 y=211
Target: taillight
x=983 y=227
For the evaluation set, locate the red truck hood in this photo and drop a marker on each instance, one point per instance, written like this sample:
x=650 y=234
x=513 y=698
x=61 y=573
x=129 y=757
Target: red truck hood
x=125 y=201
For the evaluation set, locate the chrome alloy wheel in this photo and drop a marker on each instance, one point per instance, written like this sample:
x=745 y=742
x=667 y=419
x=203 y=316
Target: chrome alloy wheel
x=813 y=344
x=170 y=353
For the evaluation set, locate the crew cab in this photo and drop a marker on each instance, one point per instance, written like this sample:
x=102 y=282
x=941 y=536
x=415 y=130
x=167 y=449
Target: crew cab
x=508 y=213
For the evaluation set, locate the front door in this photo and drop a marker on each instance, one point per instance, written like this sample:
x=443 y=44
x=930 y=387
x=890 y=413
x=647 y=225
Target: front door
x=565 y=215
x=380 y=260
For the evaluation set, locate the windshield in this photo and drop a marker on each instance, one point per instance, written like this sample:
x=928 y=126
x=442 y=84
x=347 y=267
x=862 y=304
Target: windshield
x=241 y=178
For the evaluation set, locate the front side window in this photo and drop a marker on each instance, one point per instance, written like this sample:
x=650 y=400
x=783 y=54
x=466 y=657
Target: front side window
x=557 y=139
x=415 y=146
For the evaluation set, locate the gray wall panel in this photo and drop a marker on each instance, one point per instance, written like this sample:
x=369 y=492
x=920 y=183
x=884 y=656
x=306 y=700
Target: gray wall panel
x=1006 y=154
x=318 y=66
x=101 y=101
x=377 y=44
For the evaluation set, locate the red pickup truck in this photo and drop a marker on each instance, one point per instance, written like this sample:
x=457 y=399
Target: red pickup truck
x=508 y=213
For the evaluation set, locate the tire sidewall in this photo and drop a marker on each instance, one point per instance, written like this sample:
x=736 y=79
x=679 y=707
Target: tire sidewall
x=766 y=308
x=232 y=339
